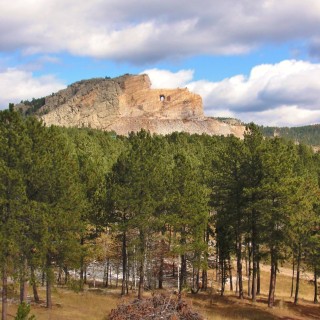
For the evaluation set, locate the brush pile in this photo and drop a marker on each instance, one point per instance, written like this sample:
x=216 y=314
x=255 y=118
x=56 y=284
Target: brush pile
x=158 y=307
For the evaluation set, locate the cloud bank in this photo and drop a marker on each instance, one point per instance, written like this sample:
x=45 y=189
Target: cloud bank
x=133 y=31
x=167 y=79
x=17 y=85
x=283 y=94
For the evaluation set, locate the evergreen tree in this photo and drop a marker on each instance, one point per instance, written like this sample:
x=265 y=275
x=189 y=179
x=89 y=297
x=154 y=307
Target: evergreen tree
x=252 y=167
x=304 y=216
x=136 y=191
x=56 y=199
x=14 y=156
x=228 y=200
x=188 y=213
x=275 y=196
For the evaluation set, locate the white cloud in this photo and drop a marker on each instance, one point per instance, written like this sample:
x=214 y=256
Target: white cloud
x=282 y=94
x=284 y=116
x=139 y=32
x=17 y=85
x=289 y=82
x=286 y=93
x=167 y=79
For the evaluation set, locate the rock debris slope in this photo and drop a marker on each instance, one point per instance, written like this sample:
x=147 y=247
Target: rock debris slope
x=127 y=104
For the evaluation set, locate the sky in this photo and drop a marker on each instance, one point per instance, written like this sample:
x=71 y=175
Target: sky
x=254 y=60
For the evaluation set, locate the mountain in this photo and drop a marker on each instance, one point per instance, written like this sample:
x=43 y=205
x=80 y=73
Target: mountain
x=306 y=134
x=125 y=104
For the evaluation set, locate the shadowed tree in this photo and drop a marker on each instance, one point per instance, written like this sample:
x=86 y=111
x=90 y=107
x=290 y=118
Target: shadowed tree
x=275 y=196
x=252 y=167
x=14 y=156
x=228 y=199
x=135 y=191
x=188 y=213
x=304 y=219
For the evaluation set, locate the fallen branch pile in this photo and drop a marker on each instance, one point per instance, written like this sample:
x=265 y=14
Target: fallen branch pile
x=158 y=307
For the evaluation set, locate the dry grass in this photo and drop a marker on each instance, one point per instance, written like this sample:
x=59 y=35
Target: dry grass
x=97 y=304
x=68 y=305
x=230 y=307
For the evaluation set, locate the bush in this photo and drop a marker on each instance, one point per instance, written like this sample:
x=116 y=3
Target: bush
x=75 y=285
x=23 y=312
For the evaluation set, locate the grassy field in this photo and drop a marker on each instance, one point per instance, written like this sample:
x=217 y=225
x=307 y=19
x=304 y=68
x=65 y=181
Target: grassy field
x=96 y=304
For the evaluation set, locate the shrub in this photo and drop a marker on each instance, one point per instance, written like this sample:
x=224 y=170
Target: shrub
x=23 y=312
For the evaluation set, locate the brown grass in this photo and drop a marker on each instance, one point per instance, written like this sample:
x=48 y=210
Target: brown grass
x=97 y=304
x=68 y=305
x=230 y=307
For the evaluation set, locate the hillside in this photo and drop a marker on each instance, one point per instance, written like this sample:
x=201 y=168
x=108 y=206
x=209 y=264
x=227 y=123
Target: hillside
x=125 y=104
x=307 y=134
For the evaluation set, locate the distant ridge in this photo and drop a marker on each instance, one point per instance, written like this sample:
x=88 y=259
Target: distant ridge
x=305 y=134
x=125 y=104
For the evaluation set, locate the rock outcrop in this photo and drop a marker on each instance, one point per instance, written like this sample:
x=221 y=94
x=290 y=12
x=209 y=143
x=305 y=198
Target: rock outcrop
x=128 y=103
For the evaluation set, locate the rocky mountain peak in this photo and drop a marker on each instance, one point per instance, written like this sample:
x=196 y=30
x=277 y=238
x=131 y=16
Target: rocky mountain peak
x=127 y=103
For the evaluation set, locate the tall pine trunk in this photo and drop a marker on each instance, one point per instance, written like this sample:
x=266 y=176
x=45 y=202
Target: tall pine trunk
x=223 y=266
x=124 y=263
x=183 y=259
x=110 y=275
x=273 y=276
x=24 y=282
x=34 y=285
x=204 y=280
x=81 y=265
x=204 y=276
x=23 y=290
x=315 y=299
x=49 y=276
x=196 y=276
x=292 y=278
x=4 y=292
x=249 y=271
x=162 y=250
x=258 y=275
x=160 y=279
x=239 y=267
x=183 y=272
x=296 y=296
x=106 y=273
x=230 y=274
x=141 y=266
x=254 y=257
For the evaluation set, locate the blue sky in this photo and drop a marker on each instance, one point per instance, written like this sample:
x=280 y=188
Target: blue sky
x=256 y=60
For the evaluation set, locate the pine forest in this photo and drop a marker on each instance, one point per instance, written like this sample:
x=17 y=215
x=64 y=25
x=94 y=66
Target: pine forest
x=148 y=206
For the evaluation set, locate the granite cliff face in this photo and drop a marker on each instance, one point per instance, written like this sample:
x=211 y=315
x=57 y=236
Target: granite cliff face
x=128 y=103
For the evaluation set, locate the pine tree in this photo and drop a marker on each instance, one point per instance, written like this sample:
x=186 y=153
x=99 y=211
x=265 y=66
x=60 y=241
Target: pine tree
x=135 y=192
x=14 y=156
x=275 y=196
x=252 y=167
x=228 y=200
x=188 y=213
x=54 y=190
x=304 y=217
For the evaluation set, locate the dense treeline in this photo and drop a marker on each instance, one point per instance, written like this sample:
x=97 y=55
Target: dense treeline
x=141 y=204
x=306 y=134
x=34 y=105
